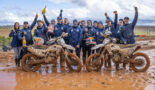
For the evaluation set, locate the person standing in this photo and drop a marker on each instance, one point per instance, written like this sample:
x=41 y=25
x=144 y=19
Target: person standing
x=16 y=42
x=127 y=32
x=75 y=34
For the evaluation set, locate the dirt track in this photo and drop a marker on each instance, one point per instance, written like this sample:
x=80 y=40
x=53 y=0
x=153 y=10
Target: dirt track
x=60 y=79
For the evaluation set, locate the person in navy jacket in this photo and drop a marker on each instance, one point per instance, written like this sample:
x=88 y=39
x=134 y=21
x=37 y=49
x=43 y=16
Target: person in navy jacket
x=87 y=33
x=75 y=34
x=16 y=42
x=40 y=31
x=99 y=34
x=111 y=26
x=127 y=32
x=27 y=31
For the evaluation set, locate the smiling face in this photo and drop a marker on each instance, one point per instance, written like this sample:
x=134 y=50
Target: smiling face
x=16 y=26
x=120 y=22
x=75 y=23
x=39 y=24
x=108 y=23
x=126 y=21
x=95 y=24
x=100 y=26
x=59 y=21
x=26 y=25
x=89 y=24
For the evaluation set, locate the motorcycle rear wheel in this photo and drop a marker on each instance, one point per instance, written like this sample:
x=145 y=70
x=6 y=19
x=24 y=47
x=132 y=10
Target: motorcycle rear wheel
x=89 y=61
x=135 y=66
x=29 y=68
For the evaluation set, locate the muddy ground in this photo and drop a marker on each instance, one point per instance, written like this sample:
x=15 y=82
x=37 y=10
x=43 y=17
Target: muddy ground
x=56 y=78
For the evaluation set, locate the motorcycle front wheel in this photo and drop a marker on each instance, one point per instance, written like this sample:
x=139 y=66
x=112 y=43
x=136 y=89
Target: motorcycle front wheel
x=94 y=62
x=29 y=67
x=140 y=62
x=74 y=62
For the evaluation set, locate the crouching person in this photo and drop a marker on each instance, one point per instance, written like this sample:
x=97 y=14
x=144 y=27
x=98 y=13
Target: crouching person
x=41 y=31
x=75 y=37
x=16 y=42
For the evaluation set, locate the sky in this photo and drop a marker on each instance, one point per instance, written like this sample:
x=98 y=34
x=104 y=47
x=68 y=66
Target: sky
x=24 y=10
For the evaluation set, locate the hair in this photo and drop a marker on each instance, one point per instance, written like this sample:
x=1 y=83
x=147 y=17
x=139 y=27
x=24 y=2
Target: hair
x=89 y=21
x=82 y=21
x=15 y=25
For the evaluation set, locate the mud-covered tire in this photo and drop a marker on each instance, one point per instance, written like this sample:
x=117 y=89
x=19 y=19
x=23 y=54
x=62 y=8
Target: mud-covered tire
x=146 y=59
x=28 y=68
x=88 y=67
x=78 y=63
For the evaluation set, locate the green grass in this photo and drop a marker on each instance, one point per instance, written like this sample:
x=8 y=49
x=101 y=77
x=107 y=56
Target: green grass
x=5 y=40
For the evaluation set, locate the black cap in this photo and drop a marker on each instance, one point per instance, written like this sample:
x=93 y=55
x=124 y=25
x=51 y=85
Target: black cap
x=100 y=22
x=75 y=20
x=126 y=18
x=26 y=22
x=120 y=19
x=59 y=18
x=108 y=21
x=95 y=22
x=39 y=21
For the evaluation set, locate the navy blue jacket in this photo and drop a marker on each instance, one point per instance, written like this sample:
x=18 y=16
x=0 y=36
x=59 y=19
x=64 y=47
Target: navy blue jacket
x=127 y=32
x=41 y=32
x=58 y=30
x=113 y=26
x=99 y=35
x=16 y=38
x=67 y=27
x=28 y=32
x=75 y=35
x=89 y=33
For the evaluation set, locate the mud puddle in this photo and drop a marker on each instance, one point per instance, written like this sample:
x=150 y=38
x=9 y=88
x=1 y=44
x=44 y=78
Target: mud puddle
x=56 y=78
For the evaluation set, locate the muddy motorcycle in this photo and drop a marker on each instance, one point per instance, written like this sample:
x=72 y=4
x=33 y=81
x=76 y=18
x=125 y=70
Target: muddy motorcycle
x=49 y=54
x=118 y=53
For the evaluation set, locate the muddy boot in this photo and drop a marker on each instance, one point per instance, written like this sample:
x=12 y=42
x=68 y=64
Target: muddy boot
x=124 y=66
x=16 y=62
x=117 y=66
x=84 y=61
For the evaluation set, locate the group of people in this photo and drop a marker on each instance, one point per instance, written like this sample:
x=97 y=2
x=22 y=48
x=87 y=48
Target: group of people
x=79 y=34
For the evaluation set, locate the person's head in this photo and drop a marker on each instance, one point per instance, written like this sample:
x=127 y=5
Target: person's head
x=66 y=21
x=121 y=22
x=95 y=23
x=53 y=22
x=16 y=26
x=108 y=22
x=26 y=24
x=83 y=23
x=100 y=25
x=39 y=23
x=126 y=20
x=75 y=22
x=59 y=20
x=89 y=23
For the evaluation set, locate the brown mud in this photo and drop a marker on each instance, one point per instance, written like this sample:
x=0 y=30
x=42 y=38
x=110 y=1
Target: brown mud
x=56 y=78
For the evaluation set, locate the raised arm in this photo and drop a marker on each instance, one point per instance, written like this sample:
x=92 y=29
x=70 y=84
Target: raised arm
x=107 y=17
x=46 y=21
x=116 y=19
x=34 y=21
x=135 y=17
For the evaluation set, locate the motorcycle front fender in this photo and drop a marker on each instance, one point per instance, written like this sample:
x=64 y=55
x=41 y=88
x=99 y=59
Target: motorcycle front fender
x=69 y=47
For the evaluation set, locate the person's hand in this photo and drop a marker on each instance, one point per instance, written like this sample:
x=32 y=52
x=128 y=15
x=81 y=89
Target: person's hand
x=42 y=22
x=86 y=29
x=36 y=15
x=77 y=46
x=25 y=33
x=115 y=12
x=106 y=15
x=105 y=35
x=135 y=7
